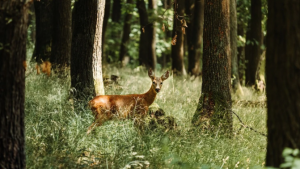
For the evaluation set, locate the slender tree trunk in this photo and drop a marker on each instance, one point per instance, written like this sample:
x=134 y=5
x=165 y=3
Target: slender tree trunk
x=214 y=107
x=86 y=46
x=152 y=5
x=253 y=50
x=126 y=33
x=283 y=79
x=147 y=55
x=178 y=49
x=195 y=36
x=61 y=38
x=31 y=26
x=44 y=26
x=13 y=34
x=116 y=11
x=97 y=53
x=105 y=23
x=241 y=55
x=233 y=44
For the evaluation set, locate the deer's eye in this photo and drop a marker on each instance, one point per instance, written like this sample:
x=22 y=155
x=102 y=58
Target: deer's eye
x=153 y=82
x=161 y=83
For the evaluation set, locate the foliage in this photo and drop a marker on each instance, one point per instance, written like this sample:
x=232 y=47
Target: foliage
x=291 y=158
x=56 y=128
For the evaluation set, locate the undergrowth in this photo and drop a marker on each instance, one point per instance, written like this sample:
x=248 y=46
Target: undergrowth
x=56 y=128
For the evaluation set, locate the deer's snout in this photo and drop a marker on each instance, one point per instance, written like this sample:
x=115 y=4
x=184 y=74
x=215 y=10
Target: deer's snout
x=157 y=89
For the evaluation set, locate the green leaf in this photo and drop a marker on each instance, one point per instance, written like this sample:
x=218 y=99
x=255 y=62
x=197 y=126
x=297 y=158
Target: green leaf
x=296 y=152
x=288 y=158
x=287 y=151
x=286 y=165
x=296 y=163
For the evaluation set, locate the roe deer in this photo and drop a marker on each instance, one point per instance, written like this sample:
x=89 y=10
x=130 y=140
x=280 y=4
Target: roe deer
x=133 y=106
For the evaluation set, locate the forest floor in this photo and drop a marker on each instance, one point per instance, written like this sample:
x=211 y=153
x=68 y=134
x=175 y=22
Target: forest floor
x=56 y=128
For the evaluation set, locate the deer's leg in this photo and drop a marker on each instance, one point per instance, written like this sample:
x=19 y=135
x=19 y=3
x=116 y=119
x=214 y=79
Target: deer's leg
x=99 y=120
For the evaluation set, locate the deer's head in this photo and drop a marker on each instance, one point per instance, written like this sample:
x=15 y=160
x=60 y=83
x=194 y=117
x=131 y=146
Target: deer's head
x=157 y=82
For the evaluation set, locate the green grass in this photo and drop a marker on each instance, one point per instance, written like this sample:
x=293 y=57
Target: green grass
x=56 y=129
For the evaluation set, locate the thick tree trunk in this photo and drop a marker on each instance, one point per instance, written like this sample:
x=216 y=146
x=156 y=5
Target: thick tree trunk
x=126 y=33
x=283 y=79
x=147 y=55
x=13 y=34
x=233 y=45
x=86 y=46
x=241 y=55
x=195 y=35
x=61 y=38
x=116 y=11
x=178 y=49
x=44 y=28
x=214 y=107
x=254 y=37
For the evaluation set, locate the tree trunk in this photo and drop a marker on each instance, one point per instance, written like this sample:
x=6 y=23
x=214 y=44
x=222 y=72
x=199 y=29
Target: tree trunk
x=253 y=45
x=97 y=53
x=241 y=55
x=86 y=46
x=195 y=36
x=126 y=33
x=178 y=49
x=147 y=55
x=13 y=34
x=214 y=107
x=61 y=38
x=152 y=5
x=116 y=11
x=283 y=79
x=233 y=45
x=105 y=23
x=44 y=26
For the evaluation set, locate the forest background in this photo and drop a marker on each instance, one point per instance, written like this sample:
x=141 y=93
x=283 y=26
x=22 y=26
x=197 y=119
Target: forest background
x=96 y=47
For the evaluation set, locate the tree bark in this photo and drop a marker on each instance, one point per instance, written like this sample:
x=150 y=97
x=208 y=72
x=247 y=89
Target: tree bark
x=62 y=35
x=126 y=33
x=214 y=107
x=97 y=52
x=105 y=23
x=147 y=56
x=178 y=49
x=241 y=55
x=253 y=45
x=195 y=36
x=86 y=46
x=44 y=28
x=283 y=79
x=233 y=45
x=13 y=34
x=116 y=11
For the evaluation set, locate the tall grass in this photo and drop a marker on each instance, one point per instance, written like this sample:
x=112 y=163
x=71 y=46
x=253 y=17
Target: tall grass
x=56 y=129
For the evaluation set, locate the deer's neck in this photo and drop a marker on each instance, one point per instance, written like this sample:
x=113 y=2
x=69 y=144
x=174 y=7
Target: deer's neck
x=150 y=96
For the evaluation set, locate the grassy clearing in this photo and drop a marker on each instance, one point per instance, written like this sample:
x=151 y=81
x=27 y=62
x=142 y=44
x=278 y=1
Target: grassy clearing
x=56 y=131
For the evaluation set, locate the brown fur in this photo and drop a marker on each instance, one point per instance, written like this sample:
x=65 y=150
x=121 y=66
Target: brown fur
x=133 y=106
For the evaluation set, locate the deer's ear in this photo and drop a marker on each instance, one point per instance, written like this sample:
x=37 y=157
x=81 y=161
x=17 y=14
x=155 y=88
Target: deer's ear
x=165 y=75
x=151 y=73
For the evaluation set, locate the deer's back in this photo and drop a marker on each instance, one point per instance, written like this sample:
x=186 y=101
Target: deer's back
x=117 y=103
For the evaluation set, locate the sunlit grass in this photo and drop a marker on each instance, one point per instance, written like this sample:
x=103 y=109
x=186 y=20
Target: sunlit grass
x=56 y=129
